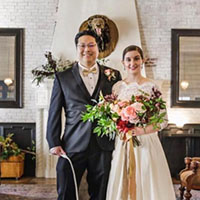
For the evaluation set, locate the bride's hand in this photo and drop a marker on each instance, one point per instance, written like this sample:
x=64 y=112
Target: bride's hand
x=138 y=131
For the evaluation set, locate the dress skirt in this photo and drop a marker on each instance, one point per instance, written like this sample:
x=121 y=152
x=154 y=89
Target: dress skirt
x=153 y=180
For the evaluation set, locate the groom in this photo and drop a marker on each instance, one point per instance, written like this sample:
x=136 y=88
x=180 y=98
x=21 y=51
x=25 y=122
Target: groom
x=72 y=90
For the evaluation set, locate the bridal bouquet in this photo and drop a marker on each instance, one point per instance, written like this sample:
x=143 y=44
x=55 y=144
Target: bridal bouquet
x=120 y=117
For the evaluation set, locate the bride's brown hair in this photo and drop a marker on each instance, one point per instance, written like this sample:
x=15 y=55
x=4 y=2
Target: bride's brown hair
x=132 y=48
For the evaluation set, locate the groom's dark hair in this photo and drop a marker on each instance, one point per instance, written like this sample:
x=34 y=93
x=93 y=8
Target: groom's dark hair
x=86 y=32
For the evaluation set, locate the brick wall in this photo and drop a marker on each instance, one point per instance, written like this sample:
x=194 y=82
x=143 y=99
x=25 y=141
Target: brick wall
x=37 y=17
x=156 y=19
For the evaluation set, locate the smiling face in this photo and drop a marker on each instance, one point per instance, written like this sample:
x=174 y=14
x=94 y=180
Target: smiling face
x=87 y=50
x=133 y=62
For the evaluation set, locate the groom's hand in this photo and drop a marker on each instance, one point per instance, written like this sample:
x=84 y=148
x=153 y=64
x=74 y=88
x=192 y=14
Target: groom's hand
x=57 y=151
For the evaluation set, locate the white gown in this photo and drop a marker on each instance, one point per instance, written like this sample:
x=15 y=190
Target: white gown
x=153 y=180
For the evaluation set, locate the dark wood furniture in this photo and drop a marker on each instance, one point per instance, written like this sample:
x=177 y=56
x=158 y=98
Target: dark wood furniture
x=179 y=143
x=24 y=135
x=190 y=177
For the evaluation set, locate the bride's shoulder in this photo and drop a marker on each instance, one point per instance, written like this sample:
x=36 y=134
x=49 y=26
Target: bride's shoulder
x=116 y=87
x=119 y=83
x=149 y=81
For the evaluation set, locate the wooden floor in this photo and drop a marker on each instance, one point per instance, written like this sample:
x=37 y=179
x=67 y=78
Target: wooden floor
x=32 y=180
x=28 y=180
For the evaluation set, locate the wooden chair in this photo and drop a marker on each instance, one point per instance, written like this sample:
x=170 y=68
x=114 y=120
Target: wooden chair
x=190 y=177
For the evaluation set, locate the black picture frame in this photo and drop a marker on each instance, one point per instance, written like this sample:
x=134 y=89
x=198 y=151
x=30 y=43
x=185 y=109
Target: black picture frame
x=175 y=72
x=18 y=33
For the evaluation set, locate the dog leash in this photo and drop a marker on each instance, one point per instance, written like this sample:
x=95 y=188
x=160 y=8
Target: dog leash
x=74 y=175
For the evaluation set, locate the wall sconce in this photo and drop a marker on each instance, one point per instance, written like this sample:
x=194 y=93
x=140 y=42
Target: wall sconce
x=8 y=81
x=184 y=84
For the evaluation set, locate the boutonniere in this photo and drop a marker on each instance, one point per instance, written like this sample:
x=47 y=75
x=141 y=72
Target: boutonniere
x=110 y=74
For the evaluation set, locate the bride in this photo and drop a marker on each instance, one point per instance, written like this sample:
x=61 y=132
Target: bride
x=139 y=173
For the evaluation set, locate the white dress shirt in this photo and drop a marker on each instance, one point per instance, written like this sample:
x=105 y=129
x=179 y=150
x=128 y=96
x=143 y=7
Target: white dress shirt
x=91 y=79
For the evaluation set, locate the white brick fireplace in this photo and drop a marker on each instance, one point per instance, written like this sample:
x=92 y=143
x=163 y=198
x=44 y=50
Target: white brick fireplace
x=45 y=163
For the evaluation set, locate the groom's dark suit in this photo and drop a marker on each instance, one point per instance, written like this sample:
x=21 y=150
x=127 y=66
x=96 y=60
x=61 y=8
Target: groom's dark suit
x=86 y=150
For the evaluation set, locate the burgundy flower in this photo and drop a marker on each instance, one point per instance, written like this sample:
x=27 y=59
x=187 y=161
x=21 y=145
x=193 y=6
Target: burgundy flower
x=110 y=98
x=124 y=126
x=156 y=93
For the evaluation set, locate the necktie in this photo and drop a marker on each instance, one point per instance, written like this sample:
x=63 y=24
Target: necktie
x=87 y=71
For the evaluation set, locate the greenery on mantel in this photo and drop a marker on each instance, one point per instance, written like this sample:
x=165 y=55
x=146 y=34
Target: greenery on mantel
x=50 y=68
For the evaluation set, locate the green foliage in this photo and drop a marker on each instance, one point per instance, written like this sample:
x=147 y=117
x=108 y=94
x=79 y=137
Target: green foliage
x=155 y=108
x=8 y=147
x=50 y=68
x=32 y=150
x=104 y=118
x=103 y=61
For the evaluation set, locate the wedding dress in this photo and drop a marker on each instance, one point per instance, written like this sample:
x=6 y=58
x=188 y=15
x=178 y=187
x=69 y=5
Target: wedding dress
x=152 y=176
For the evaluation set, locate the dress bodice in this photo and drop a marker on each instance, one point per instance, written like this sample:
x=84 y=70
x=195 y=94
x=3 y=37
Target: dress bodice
x=125 y=91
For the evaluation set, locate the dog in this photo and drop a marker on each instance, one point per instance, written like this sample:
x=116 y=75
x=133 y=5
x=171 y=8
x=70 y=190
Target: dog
x=99 y=24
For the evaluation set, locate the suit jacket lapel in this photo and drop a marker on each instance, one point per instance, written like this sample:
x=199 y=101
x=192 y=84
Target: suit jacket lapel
x=99 y=84
x=75 y=71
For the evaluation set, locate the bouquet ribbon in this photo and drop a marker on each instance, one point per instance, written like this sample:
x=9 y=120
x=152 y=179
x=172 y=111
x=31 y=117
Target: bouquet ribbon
x=132 y=172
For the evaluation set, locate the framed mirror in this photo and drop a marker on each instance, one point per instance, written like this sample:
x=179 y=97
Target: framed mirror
x=11 y=64
x=185 y=72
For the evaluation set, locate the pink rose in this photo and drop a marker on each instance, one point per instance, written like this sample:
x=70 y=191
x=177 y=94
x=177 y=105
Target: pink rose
x=130 y=111
x=129 y=114
x=134 y=120
x=124 y=117
x=138 y=107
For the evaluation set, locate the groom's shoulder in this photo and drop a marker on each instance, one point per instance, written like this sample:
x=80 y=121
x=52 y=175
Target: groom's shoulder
x=109 y=68
x=67 y=71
